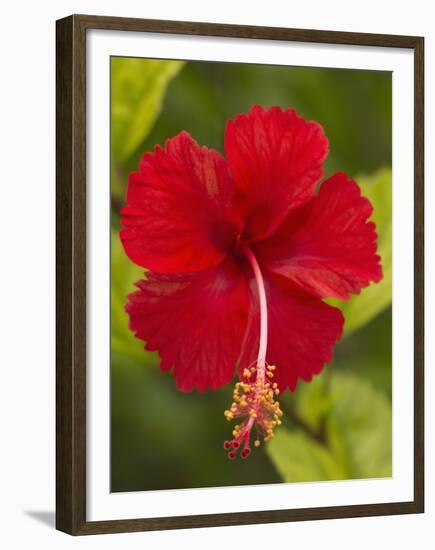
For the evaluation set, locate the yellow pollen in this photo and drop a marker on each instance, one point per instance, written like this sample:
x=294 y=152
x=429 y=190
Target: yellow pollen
x=254 y=404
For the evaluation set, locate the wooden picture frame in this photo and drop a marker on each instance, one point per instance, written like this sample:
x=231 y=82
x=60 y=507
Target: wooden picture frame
x=71 y=273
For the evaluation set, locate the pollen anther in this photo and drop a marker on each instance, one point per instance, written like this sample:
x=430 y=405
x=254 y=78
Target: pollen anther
x=254 y=402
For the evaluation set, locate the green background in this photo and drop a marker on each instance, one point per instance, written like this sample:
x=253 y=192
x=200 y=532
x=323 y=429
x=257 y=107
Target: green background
x=339 y=425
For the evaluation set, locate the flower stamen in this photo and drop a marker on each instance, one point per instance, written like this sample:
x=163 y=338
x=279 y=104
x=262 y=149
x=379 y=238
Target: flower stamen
x=253 y=397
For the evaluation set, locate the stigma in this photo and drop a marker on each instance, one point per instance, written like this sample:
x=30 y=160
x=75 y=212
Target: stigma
x=254 y=395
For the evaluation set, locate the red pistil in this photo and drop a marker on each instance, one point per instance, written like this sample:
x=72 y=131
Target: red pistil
x=254 y=394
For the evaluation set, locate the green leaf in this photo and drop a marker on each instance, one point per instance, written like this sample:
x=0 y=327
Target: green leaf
x=313 y=400
x=358 y=445
x=137 y=87
x=359 y=427
x=362 y=308
x=299 y=458
x=124 y=274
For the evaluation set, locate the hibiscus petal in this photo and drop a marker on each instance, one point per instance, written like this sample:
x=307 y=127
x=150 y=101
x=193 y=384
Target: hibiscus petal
x=195 y=321
x=180 y=215
x=276 y=160
x=302 y=332
x=327 y=247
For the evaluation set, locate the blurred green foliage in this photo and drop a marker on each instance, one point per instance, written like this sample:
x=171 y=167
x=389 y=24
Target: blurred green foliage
x=137 y=89
x=353 y=421
x=339 y=425
x=124 y=274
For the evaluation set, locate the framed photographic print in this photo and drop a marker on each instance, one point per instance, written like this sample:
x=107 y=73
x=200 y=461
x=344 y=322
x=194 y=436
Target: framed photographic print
x=239 y=275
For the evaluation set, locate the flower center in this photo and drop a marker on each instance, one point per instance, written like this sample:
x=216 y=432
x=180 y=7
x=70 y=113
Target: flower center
x=223 y=234
x=254 y=395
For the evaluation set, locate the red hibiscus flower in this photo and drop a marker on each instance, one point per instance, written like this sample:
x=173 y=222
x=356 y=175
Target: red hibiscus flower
x=240 y=253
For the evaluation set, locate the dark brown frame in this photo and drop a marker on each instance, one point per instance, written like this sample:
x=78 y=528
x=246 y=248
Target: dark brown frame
x=71 y=273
